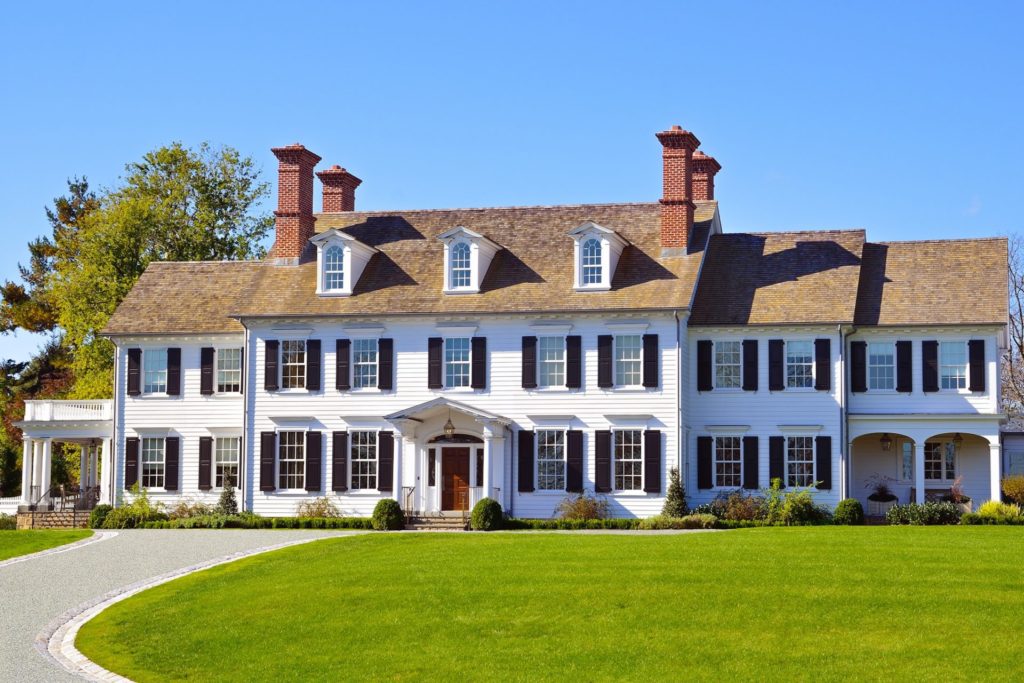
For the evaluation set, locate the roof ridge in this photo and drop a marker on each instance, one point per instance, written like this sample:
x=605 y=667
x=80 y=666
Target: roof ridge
x=862 y=231
x=504 y=208
x=252 y=262
x=944 y=240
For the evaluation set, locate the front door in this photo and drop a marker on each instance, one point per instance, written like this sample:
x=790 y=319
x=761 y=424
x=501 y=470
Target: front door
x=455 y=479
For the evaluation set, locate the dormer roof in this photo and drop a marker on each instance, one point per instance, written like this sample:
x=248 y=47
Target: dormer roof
x=464 y=232
x=590 y=228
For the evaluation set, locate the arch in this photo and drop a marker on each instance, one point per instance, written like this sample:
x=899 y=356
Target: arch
x=591 y=265
x=334 y=268
x=455 y=438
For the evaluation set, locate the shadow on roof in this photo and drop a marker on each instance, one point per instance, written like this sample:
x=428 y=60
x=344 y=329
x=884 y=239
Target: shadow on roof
x=872 y=284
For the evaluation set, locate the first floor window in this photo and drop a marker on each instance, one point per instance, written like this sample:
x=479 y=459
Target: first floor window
x=152 y=463
x=456 y=362
x=229 y=371
x=364 y=365
x=799 y=365
x=906 y=460
x=154 y=371
x=291 y=460
x=940 y=461
x=728 y=462
x=800 y=461
x=225 y=461
x=551 y=460
x=293 y=364
x=628 y=360
x=727 y=365
x=953 y=365
x=551 y=352
x=881 y=366
x=364 y=460
x=629 y=472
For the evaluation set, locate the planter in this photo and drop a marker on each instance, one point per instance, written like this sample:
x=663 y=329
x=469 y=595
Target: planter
x=878 y=508
x=965 y=507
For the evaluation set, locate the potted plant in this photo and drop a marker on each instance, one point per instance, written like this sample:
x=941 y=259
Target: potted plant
x=881 y=497
x=957 y=497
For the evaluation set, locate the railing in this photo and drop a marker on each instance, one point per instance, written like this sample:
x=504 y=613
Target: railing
x=71 y=411
x=9 y=505
x=407 y=492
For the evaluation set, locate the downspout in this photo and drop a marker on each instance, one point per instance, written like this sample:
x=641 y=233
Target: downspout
x=243 y=484
x=844 y=418
x=680 y=465
x=112 y=474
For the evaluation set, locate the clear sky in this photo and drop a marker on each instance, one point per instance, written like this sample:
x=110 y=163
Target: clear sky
x=901 y=118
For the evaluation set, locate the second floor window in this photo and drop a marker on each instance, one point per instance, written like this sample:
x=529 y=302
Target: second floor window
x=799 y=364
x=334 y=268
x=152 y=463
x=799 y=461
x=953 y=365
x=456 y=362
x=727 y=365
x=881 y=366
x=551 y=357
x=291 y=460
x=364 y=460
x=229 y=371
x=460 y=268
x=364 y=363
x=154 y=371
x=629 y=463
x=293 y=364
x=551 y=460
x=728 y=462
x=628 y=360
x=590 y=265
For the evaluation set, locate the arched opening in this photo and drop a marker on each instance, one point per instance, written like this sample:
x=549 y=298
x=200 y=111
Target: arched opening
x=456 y=438
x=882 y=470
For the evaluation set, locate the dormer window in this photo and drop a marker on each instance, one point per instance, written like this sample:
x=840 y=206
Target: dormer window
x=595 y=256
x=591 y=262
x=340 y=259
x=467 y=256
x=334 y=269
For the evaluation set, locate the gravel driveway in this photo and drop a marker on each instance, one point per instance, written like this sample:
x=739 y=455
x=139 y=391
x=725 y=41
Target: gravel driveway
x=35 y=592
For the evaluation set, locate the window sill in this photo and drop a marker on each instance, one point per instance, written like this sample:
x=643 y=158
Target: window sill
x=633 y=494
x=638 y=389
x=224 y=395
x=457 y=390
x=362 y=492
x=958 y=392
x=158 y=396
x=549 y=492
x=727 y=390
x=292 y=392
x=553 y=390
x=364 y=390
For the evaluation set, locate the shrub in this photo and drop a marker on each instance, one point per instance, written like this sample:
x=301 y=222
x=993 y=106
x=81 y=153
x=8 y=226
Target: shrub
x=799 y=508
x=675 y=496
x=582 y=506
x=738 y=505
x=388 y=516
x=772 y=502
x=849 y=512
x=1013 y=488
x=697 y=521
x=996 y=512
x=320 y=507
x=8 y=522
x=98 y=514
x=486 y=515
x=924 y=513
x=136 y=513
x=570 y=524
x=189 y=508
x=227 y=505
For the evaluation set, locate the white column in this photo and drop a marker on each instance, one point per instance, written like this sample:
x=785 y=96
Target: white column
x=107 y=468
x=26 y=470
x=919 y=471
x=995 y=468
x=47 y=467
x=494 y=445
x=399 y=457
x=37 y=469
x=83 y=467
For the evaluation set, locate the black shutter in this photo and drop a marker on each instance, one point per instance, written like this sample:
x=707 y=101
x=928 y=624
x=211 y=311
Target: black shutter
x=339 y=461
x=314 y=460
x=342 y=364
x=134 y=364
x=206 y=355
x=529 y=362
x=172 y=455
x=268 y=455
x=385 y=462
x=205 y=462
x=525 y=461
x=573 y=362
x=858 y=367
x=574 y=461
x=652 y=461
x=478 y=376
x=930 y=365
x=270 y=374
x=823 y=364
x=705 y=478
x=776 y=365
x=385 y=364
x=976 y=354
x=750 y=460
x=131 y=461
x=603 y=461
x=650 y=361
x=313 y=365
x=605 y=376
x=749 y=365
x=823 y=455
x=435 y=366
x=904 y=367
x=777 y=458
x=174 y=372
x=705 y=350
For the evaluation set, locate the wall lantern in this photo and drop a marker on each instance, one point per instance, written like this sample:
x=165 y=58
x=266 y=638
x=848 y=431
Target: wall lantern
x=958 y=441
x=886 y=442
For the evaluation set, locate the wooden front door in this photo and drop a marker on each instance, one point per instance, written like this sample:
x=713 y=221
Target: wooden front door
x=455 y=479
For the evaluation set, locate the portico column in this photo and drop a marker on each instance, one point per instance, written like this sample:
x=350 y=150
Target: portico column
x=37 y=469
x=918 y=471
x=108 y=472
x=494 y=440
x=406 y=446
x=26 y=470
x=83 y=467
x=995 y=466
x=47 y=467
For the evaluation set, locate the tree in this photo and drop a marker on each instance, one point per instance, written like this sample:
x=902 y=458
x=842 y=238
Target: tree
x=1013 y=359
x=675 y=496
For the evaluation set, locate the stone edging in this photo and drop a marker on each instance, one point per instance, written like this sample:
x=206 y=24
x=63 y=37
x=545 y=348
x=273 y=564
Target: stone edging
x=95 y=538
x=57 y=641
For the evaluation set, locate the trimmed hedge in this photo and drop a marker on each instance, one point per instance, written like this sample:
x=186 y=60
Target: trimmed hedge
x=250 y=521
x=924 y=514
x=388 y=515
x=570 y=524
x=696 y=521
x=848 y=512
x=486 y=515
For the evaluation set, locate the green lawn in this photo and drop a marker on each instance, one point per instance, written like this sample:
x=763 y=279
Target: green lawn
x=15 y=543
x=823 y=603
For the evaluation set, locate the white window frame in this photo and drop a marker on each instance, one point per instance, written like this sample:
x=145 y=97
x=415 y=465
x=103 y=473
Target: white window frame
x=616 y=362
x=281 y=364
x=611 y=245
x=357 y=463
x=454 y=283
x=539 y=450
x=787 y=461
x=942 y=446
x=543 y=363
x=965 y=366
x=217 y=370
x=868 y=365
x=157 y=389
x=356 y=363
x=331 y=269
x=468 y=362
x=715 y=346
x=161 y=478
x=216 y=475
x=637 y=462
x=301 y=448
x=354 y=257
x=588 y=268
x=787 y=364
x=716 y=461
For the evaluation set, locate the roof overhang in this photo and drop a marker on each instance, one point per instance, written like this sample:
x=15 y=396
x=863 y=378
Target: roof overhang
x=423 y=411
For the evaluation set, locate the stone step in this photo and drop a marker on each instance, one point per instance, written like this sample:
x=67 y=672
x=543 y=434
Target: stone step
x=436 y=523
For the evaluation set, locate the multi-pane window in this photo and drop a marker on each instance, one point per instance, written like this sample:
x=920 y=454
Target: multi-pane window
x=550 y=460
x=906 y=455
x=293 y=364
x=334 y=268
x=727 y=364
x=590 y=265
x=953 y=365
x=229 y=371
x=881 y=366
x=364 y=460
x=154 y=371
x=800 y=461
x=456 y=362
x=364 y=363
x=628 y=360
x=940 y=461
x=551 y=358
x=291 y=460
x=225 y=461
x=799 y=364
x=728 y=462
x=152 y=463
x=629 y=465
x=460 y=266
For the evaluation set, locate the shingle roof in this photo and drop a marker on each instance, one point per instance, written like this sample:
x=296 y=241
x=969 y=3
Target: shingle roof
x=942 y=282
x=779 y=277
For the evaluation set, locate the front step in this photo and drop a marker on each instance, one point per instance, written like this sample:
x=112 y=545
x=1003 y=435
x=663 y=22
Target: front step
x=437 y=524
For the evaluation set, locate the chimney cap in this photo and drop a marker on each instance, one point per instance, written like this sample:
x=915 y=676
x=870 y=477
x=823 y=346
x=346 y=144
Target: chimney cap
x=295 y=153
x=337 y=176
x=706 y=163
x=677 y=138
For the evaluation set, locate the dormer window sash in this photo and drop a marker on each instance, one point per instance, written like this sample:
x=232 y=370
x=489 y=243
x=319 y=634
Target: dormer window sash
x=596 y=252
x=340 y=260
x=334 y=268
x=592 y=262
x=467 y=256
x=461 y=266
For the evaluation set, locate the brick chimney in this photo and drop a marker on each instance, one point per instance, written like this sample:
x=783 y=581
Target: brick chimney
x=294 y=225
x=677 y=207
x=704 y=170
x=339 y=189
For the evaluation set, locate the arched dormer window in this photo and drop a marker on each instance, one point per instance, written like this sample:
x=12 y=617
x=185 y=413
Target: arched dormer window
x=461 y=275
x=340 y=260
x=596 y=252
x=334 y=268
x=591 y=264
x=467 y=256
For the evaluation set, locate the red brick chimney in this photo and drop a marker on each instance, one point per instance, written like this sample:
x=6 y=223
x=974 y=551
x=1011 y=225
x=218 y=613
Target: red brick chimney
x=294 y=225
x=339 y=189
x=704 y=170
x=677 y=207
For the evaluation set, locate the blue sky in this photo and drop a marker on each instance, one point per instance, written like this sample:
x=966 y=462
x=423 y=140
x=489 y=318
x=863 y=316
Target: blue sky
x=900 y=118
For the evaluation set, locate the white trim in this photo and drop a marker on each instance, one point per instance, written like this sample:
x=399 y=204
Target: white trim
x=798 y=429
x=727 y=430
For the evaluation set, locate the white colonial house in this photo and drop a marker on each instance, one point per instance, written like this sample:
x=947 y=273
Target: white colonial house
x=441 y=356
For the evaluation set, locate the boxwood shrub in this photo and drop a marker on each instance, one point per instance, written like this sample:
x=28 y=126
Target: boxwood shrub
x=486 y=515
x=848 y=512
x=388 y=515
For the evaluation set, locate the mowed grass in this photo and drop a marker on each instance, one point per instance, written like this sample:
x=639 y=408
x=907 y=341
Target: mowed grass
x=892 y=603
x=15 y=543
